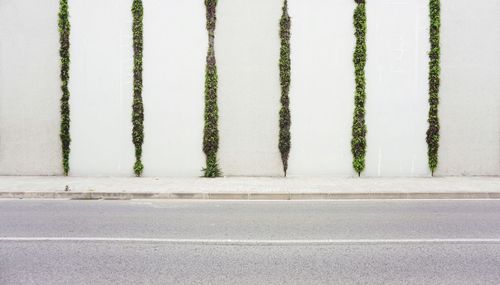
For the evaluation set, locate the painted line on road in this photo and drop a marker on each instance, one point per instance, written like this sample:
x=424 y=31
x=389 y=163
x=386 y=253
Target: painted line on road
x=253 y=242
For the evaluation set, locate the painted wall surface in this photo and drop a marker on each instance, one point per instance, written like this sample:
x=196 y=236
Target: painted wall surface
x=101 y=87
x=470 y=88
x=29 y=88
x=247 y=48
x=175 y=45
x=322 y=87
x=397 y=88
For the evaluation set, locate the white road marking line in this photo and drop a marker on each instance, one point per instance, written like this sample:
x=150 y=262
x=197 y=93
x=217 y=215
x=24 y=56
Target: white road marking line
x=253 y=242
x=132 y=201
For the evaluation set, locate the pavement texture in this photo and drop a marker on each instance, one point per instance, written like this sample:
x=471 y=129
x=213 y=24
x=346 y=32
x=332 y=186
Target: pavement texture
x=247 y=188
x=411 y=242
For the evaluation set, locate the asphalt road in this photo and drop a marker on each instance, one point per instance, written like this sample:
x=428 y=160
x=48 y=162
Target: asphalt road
x=210 y=242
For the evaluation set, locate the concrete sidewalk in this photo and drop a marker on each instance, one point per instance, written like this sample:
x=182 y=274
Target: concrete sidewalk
x=242 y=188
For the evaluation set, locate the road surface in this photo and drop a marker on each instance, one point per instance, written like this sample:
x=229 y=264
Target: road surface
x=232 y=242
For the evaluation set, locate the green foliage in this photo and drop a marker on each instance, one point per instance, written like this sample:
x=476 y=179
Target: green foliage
x=434 y=83
x=285 y=67
x=64 y=32
x=211 y=131
x=359 y=130
x=138 y=107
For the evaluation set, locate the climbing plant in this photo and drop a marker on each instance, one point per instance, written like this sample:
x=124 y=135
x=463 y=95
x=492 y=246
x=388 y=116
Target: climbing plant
x=64 y=32
x=138 y=107
x=359 y=130
x=211 y=131
x=434 y=83
x=284 y=64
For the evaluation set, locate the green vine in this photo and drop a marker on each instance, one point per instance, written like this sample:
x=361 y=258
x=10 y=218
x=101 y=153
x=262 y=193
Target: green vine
x=285 y=67
x=138 y=107
x=434 y=83
x=64 y=32
x=359 y=130
x=211 y=131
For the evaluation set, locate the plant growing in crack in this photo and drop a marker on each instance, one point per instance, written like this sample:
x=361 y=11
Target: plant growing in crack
x=138 y=107
x=359 y=129
x=211 y=131
x=285 y=70
x=64 y=33
x=434 y=84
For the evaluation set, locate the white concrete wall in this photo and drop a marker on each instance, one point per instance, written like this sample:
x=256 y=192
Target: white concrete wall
x=397 y=92
x=29 y=88
x=247 y=48
x=470 y=92
x=101 y=87
x=322 y=87
x=175 y=46
x=322 y=94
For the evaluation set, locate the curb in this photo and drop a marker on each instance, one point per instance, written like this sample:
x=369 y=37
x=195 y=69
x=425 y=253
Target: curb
x=243 y=196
